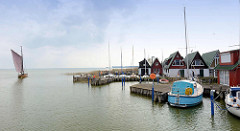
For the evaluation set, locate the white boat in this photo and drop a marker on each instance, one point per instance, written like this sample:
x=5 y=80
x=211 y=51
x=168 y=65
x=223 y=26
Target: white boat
x=18 y=63
x=232 y=101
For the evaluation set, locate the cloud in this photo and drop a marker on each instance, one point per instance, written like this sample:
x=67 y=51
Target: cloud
x=59 y=23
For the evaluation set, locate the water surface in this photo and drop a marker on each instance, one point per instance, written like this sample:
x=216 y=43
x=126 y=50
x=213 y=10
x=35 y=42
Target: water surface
x=49 y=100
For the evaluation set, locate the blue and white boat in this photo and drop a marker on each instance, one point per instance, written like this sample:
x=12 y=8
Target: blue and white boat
x=232 y=101
x=185 y=93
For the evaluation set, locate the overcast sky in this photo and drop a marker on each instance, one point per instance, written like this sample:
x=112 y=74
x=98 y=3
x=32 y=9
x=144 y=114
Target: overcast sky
x=75 y=33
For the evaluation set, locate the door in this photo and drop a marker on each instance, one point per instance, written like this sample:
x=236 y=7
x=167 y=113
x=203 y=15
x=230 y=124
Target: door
x=201 y=73
x=182 y=73
x=224 y=77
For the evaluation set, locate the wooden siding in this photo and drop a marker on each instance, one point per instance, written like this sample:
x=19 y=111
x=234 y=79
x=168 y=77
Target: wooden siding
x=157 y=67
x=234 y=57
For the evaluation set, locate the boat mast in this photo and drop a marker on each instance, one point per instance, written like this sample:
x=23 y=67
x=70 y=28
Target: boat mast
x=121 y=61
x=145 y=62
x=109 y=58
x=132 y=58
x=239 y=31
x=22 y=71
x=186 y=40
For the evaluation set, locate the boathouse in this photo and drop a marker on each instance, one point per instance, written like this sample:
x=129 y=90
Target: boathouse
x=142 y=67
x=229 y=68
x=174 y=65
x=212 y=60
x=156 y=67
x=197 y=65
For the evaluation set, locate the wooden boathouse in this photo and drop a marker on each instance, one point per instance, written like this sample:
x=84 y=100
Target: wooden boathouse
x=229 y=68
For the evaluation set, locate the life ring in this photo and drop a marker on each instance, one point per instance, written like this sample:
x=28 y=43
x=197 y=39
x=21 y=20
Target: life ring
x=188 y=91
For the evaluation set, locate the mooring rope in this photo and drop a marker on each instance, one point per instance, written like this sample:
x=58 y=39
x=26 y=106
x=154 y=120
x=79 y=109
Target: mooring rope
x=218 y=96
x=217 y=104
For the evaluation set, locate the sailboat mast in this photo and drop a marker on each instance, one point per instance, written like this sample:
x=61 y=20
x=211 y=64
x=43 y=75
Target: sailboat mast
x=22 y=71
x=145 y=62
x=239 y=31
x=121 y=61
x=186 y=40
x=132 y=55
x=132 y=58
x=109 y=58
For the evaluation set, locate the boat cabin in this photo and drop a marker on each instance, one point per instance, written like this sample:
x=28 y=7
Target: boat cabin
x=183 y=88
x=235 y=92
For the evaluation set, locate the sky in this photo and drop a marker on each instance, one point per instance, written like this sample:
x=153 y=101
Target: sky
x=76 y=33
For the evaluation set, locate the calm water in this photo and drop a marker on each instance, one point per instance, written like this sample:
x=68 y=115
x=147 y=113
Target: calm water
x=49 y=100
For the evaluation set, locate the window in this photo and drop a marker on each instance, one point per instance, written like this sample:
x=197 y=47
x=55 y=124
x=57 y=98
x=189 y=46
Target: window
x=211 y=72
x=216 y=60
x=225 y=58
x=156 y=64
x=177 y=63
x=197 y=62
x=155 y=71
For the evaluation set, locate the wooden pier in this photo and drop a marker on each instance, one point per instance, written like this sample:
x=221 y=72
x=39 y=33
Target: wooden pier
x=161 y=90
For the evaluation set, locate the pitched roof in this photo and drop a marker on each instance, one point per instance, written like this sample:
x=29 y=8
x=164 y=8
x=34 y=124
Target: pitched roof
x=190 y=57
x=155 y=61
x=208 y=57
x=172 y=56
x=143 y=62
x=227 y=67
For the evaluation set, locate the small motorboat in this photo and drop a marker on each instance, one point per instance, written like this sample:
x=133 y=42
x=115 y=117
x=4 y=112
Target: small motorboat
x=232 y=101
x=185 y=93
x=163 y=81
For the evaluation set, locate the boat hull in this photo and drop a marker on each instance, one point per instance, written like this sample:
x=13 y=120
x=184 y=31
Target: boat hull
x=22 y=76
x=184 y=101
x=233 y=110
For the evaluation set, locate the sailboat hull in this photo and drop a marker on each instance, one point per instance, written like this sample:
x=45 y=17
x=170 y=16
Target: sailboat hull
x=22 y=76
x=184 y=101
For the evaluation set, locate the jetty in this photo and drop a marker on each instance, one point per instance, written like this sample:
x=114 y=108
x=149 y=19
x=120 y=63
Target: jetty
x=161 y=90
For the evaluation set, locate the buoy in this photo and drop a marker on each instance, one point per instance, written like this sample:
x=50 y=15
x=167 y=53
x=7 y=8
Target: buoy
x=188 y=91
x=152 y=76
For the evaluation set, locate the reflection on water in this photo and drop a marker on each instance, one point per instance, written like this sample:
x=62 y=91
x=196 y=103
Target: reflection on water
x=48 y=100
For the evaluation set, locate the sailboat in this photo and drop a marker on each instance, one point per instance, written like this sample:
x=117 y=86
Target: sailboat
x=18 y=63
x=185 y=93
x=133 y=75
x=109 y=75
x=232 y=96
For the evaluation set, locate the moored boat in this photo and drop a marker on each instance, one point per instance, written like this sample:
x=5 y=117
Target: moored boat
x=163 y=81
x=18 y=63
x=185 y=93
x=232 y=101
